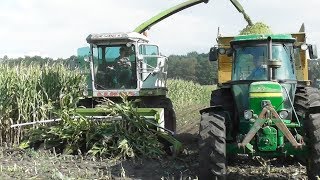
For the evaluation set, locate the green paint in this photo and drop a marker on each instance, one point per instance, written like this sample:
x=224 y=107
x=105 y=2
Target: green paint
x=267 y=139
x=164 y=14
x=265 y=89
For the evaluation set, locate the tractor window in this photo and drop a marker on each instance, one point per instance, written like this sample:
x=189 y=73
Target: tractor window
x=250 y=62
x=115 y=67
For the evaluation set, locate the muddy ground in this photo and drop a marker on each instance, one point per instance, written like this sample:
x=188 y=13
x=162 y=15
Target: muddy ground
x=28 y=164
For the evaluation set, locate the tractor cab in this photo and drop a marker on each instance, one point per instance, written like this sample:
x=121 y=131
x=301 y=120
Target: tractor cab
x=263 y=70
x=123 y=62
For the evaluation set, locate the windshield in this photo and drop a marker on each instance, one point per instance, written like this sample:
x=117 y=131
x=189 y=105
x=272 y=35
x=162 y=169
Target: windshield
x=250 y=62
x=114 y=67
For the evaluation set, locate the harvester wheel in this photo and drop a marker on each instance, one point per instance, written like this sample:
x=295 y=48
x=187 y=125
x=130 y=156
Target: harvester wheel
x=313 y=164
x=212 y=146
x=169 y=114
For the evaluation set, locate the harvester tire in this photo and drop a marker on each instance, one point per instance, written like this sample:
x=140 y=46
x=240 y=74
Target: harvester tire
x=169 y=113
x=307 y=99
x=212 y=146
x=170 y=121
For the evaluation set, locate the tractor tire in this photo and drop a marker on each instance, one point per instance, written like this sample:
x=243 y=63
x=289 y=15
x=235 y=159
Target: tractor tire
x=223 y=97
x=212 y=146
x=306 y=100
x=313 y=163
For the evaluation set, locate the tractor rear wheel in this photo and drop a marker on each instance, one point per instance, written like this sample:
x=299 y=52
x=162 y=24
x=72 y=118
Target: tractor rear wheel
x=307 y=99
x=212 y=146
x=313 y=163
x=222 y=97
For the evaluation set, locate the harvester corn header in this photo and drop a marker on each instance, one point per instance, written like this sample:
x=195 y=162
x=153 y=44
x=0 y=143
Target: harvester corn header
x=265 y=105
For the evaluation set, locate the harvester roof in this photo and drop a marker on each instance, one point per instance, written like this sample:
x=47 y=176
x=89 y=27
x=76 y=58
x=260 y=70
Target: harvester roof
x=119 y=36
x=262 y=37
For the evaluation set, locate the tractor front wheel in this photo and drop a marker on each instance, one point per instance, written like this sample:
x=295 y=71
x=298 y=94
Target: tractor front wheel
x=212 y=146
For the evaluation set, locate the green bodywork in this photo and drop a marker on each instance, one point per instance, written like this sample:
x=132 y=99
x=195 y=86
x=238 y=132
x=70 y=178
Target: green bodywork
x=164 y=14
x=264 y=133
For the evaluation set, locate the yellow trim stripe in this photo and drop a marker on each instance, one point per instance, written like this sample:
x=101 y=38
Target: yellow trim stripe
x=257 y=95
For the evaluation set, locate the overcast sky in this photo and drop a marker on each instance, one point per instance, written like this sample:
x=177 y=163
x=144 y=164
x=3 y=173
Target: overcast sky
x=56 y=28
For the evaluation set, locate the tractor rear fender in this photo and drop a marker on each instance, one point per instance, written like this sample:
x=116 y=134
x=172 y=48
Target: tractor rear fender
x=212 y=109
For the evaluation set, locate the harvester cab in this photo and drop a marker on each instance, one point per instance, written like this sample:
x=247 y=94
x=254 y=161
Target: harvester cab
x=124 y=62
x=264 y=106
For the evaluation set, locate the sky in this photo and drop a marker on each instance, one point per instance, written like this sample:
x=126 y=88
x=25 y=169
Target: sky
x=56 y=28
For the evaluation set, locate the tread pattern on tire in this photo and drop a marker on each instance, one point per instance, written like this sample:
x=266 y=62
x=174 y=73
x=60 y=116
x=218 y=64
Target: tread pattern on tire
x=306 y=98
x=212 y=146
x=314 y=135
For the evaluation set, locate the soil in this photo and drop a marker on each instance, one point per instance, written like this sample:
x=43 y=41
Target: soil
x=20 y=164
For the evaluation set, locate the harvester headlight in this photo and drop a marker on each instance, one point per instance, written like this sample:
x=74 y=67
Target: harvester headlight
x=283 y=114
x=248 y=114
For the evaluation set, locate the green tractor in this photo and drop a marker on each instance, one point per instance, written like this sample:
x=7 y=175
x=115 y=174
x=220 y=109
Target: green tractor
x=264 y=106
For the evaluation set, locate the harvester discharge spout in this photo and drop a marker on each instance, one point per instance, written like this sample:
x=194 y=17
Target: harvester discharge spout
x=167 y=13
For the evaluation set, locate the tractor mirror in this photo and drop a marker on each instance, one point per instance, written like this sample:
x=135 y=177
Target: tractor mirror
x=229 y=52
x=313 y=54
x=213 y=54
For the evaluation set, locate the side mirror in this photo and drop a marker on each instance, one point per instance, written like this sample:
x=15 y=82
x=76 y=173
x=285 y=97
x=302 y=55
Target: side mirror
x=313 y=54
x=213 y=54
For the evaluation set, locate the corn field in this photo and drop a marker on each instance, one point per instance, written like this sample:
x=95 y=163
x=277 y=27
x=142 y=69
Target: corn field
x=31 y=93
x=185 y=93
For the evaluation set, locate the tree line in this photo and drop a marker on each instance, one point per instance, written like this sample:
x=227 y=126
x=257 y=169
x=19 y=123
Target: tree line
x=193 y=66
